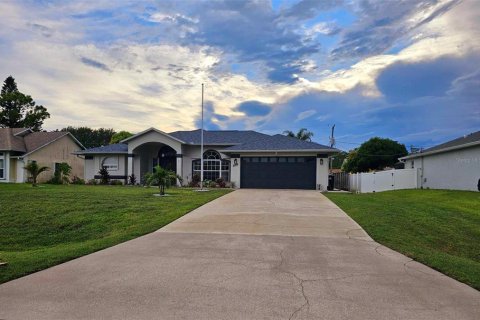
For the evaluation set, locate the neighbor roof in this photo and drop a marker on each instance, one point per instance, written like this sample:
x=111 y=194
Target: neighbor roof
x=466 y=141
x=10 y=142
x=117 y=148
x=26 y=141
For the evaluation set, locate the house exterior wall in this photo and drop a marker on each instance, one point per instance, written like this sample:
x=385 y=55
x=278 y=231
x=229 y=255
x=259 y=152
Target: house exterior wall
x=92 y=166
x=190 y=153
x=13 y=170
x=154 y=137
x=58 y=151
x=322 y=174
x=20 y=174
x=456 y=170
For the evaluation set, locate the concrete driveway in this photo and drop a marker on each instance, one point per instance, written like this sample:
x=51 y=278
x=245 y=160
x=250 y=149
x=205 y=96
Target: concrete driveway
x=252 y=254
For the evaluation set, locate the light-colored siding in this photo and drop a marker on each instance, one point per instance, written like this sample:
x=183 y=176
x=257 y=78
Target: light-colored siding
x=456 y=170
x=13 y=170
x=92 y=166
x=58 y=151
x=191 y=153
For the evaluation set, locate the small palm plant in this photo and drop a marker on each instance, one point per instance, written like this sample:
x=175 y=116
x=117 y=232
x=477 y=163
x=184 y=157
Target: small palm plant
x=34 y=170
x=161 y=177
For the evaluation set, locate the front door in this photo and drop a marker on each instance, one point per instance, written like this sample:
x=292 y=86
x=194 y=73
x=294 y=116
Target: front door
x=167 y=159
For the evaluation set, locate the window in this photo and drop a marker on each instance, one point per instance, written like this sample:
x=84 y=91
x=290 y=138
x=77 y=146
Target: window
x=214 y=166
x=2 y=165
x=413 y=164
x=110 y=163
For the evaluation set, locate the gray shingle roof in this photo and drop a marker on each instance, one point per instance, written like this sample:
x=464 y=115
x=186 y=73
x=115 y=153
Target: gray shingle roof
x=230 y=140
x=218 y=137
x=472 y=137
x=455 y=143
x=111 y=148
x=279 y=142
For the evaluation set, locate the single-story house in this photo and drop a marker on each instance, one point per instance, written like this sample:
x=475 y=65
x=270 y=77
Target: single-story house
x=248 y=159
x=451 y=165
x=19 y=146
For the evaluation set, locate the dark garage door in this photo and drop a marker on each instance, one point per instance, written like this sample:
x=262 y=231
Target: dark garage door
x=278 y=172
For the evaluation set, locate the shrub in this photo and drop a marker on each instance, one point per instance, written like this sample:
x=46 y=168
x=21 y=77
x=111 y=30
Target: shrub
x=195 y=181
x=132 y=180
x=104 y=176
x=92 y=182
x=221 y=183
x=146 y=177
x=61 y=174
x=77 y=180
x=116 y=183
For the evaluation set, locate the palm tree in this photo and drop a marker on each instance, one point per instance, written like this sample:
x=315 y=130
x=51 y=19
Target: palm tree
x=162 y=177
x=34 y=169
x=302 y=134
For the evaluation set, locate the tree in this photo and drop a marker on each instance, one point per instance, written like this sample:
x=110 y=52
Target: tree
x=18 y=110
x=161 y=177
x=338 y=159
x=91 y=138
x=34 y=170
x=119 y=136
x=374 y=154
x=302 y=134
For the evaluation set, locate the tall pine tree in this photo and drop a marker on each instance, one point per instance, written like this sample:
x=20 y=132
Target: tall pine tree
x=18 y=110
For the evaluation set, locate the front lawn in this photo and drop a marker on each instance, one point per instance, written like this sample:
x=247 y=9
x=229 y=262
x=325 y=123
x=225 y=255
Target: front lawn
x=439 y=228
x=44 y=226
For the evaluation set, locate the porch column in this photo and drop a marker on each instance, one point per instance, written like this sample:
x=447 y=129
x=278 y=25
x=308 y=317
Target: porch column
x=130 y=165
x=179 y=167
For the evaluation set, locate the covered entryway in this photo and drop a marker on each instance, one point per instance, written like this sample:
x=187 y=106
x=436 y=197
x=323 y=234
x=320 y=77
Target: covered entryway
x=278 y=172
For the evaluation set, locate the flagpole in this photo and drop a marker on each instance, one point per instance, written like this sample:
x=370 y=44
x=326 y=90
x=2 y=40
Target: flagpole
x=201 y=148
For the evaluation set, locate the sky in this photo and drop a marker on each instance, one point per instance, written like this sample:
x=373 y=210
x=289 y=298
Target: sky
x=404 y=70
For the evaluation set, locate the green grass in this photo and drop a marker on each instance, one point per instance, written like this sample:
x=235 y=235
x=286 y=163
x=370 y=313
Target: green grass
x=439 y=228
x=44 y=226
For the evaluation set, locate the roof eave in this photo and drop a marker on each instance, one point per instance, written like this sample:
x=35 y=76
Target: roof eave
x=284 y=150
x=105 y=152
x=151 y=129
x=427 y=153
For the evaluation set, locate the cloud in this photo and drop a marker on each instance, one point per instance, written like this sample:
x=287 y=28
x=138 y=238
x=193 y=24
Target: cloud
x=254 y=108
x=305 y=114
x=372 y=68
x=95 y=64
x=382 y=23
x=403 y=82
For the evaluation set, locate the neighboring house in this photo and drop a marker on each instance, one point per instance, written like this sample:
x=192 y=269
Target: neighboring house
x=247 y=158
x=19 y=146
x=451 y=165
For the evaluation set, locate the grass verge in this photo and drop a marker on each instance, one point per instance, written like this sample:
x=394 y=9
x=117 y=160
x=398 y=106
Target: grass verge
x=44 y=226
x=440 y=228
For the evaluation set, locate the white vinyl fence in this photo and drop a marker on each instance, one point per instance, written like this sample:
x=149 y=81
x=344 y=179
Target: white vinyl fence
x=383 y=180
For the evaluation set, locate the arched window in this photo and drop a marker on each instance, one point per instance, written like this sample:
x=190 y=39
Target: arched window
x=214 y=166
x=211 y=155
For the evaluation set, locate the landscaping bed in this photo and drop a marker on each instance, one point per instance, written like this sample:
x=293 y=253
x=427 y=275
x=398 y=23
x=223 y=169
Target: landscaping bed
x=440 y=228
x=44 y=226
